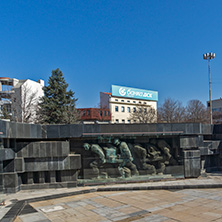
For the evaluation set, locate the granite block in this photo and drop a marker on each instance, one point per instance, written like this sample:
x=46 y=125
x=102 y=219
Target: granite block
x=65 y=148
x=64 y=131
x=30 y=150
x=75 y=161
x=19 y=165
x=42 y=151
x=10 y=180
x=53 y=131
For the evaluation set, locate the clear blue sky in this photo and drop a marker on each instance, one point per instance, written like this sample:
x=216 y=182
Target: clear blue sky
x=148 y=44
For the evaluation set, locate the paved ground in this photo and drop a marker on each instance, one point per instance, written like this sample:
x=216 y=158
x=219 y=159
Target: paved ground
x=140 y=206
x=167 y=201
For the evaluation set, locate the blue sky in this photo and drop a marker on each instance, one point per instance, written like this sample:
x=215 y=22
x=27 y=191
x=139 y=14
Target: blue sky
x=148 y=44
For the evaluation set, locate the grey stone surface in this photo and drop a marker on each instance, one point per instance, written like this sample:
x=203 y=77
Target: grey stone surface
x=152 y=218
x=70 y=162
x=205 y=151
x=10 y=180
x=34 y=217
x=207 y=129
x=64 y=131
x=6 y=154
x=53 y=131
x=76 y=130
x=19 y=164
x=20 y=130
x=192 y=164
x=188 y=142
x=28 y=154
x=44 y=149
x=212 y=144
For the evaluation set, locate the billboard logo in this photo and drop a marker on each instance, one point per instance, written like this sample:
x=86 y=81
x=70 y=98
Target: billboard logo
x=122 y=91
x=129 y=92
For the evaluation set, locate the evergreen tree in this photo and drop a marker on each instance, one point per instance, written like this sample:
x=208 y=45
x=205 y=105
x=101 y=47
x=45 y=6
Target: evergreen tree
x=57 y=106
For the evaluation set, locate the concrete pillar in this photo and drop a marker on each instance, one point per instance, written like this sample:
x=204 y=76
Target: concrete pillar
x=192 y=165
x=41 y=177
x=30 y=177
x=52 y=176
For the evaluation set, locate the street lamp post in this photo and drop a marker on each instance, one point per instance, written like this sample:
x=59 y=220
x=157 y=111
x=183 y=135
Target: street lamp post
x=209 y=56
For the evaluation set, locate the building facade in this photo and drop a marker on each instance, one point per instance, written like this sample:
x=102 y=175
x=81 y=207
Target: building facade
x=123 y=101
x=19 y=98
x=217 y=110
x=92 y=115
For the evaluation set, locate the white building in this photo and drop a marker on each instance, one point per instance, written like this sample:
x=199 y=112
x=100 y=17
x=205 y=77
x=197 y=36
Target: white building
x=216 y=105
x=20 y=98
x=216 y=109
x=122 y=101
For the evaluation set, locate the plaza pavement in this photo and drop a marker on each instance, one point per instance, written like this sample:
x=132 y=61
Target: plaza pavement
x=176 y=200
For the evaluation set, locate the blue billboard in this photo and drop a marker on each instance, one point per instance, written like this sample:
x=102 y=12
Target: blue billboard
x=128 y=92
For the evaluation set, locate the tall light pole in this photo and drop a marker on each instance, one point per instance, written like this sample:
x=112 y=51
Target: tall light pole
x=209 y=56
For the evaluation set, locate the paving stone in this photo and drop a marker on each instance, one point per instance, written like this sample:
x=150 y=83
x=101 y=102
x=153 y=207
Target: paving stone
x=153 y=218
x=35 y=217
x=52 y=209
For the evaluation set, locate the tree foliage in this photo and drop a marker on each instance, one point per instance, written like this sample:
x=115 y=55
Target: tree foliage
x=57 y=106
x=143 y=114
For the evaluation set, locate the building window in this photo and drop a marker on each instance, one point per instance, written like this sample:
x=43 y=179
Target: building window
x=140 y=110
x=116 y=108
x=144 y=102
x=117 y=120
x=128 y=101
x=128 y=121
x=145 y=110
x=107 y=112
x=128 y=109
x=122 y=108
x=134 y=101
x=139 y=102
x=100 y=113
x=83 y=112
x=134 y=109
x=122 y=100
x=88 y=112
x=116 y=100
x=123 y=120
x=134 y=121
x=104 y=113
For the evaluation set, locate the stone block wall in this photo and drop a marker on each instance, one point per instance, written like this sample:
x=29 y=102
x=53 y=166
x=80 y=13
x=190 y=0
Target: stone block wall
x=39 y=165
x=39 y=156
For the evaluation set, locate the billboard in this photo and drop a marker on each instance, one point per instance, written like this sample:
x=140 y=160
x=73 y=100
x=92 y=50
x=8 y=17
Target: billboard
x=128 y=92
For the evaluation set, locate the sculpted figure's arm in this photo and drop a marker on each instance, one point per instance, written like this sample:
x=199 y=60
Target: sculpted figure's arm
x=98 y=150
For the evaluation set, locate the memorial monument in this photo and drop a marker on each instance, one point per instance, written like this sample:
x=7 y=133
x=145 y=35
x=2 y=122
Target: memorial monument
x=50 y=156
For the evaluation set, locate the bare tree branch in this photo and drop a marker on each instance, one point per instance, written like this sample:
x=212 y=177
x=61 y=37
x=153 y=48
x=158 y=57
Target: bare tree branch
x=171 y=111
x=143 y=114
x=197 y=112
